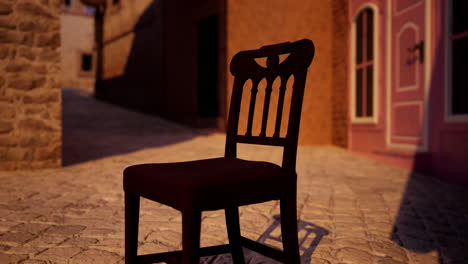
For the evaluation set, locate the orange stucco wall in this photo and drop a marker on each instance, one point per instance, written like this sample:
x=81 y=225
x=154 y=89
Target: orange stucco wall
x=252 y=24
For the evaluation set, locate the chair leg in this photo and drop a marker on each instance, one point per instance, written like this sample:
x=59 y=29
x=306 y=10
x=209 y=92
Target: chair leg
x=132 y=210
x=191 y=224
x=289 y=230
x=233 y=228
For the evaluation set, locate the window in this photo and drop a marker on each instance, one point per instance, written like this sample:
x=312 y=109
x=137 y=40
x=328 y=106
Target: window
x=364 y=65
x=86 y=62
x=115 y=2
x=67 y=3
x=459 y=65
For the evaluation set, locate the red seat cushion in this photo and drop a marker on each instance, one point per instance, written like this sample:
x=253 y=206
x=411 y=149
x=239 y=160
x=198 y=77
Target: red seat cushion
x=209 y=184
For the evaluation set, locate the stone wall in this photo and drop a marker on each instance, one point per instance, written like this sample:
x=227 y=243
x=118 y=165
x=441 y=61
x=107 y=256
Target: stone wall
x=30 y=95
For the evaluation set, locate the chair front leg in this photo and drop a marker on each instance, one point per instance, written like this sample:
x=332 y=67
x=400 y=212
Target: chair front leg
x=234 y=233
x=289 y=230
x=132 y=210
x=191 y=224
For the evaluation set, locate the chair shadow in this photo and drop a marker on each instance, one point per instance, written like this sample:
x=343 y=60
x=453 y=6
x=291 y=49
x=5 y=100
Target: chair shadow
x=94 y=129
x=307 y=244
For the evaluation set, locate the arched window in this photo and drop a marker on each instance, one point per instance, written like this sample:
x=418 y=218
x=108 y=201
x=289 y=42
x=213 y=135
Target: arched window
x=364 y=65
x=459 y=65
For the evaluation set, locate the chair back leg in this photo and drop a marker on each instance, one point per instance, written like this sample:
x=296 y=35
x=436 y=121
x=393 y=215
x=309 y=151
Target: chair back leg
x=289 y=230
x=234 y=233
x=191 y=224
x=132 y=210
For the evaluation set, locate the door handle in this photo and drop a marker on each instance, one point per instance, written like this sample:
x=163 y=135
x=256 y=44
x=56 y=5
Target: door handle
x=418 y=48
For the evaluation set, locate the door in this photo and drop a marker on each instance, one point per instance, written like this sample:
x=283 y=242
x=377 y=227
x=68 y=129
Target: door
x=208 y=67
x=407 y=112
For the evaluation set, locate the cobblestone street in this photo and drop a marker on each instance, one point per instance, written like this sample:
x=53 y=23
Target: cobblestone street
x=351 y=209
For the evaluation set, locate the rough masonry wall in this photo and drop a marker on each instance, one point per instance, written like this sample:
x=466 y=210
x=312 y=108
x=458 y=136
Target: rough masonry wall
x=30 y=94
x=340 y=106
x=252 y=24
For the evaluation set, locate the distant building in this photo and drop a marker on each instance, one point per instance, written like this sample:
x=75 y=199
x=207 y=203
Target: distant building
x=172 y=57
x=78 y=41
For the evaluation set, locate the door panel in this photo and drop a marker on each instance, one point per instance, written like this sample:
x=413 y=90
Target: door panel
x=407 y=93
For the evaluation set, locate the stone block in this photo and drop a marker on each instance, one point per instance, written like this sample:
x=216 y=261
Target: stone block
x=6 y=8
x=7 y=22
x=8 y=36
x=40 y=69
x=27 y=53
x=34 y=110
x=4 y=51
x=2 y=81
x=42 y=98
x=48 y=40
x=6 y=126
x=56 y=112
x=34 y=125
x=48 y=153
x=19 y=154
x=6 y=98
x=8 y=141
x=7 y=111
x=17 y=67
x=49 y=56
x=26 y=82
x=3 y=153
x=33 y=9
x=27 y=39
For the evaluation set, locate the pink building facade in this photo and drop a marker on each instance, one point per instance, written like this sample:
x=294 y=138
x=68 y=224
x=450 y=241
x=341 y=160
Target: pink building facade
x=408 y=98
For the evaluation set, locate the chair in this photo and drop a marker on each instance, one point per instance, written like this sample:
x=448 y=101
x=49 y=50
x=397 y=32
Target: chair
x=228 y=182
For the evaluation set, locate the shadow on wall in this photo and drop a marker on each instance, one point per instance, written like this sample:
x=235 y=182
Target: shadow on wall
x=433 y=215
x=93 y=129
x=140 y=84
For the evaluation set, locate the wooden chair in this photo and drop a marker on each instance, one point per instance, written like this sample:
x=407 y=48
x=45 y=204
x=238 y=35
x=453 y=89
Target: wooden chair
x=229 y=182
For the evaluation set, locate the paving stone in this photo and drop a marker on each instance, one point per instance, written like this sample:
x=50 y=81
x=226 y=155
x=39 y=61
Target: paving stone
x=11 y=258
x=79 y=242
x=387 y=248
x=32 y=228
x=95 y=256
x=353 y=256
x=66 y=230
x=59 y=254
x=34 y=261
x=46 y=241
x=15 y=238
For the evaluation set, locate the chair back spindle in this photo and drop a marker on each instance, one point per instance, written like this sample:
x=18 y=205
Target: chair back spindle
x=245 y=67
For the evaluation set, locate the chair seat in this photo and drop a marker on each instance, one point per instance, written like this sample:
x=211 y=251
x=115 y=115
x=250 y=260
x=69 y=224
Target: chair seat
x=209 y=184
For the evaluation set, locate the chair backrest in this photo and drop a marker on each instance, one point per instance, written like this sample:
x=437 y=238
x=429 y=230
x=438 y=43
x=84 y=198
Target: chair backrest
x=244 y=67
